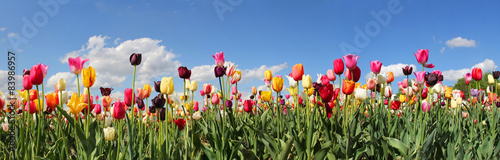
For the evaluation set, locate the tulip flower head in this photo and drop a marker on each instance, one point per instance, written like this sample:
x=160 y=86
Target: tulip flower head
x=468 y=78
x=180 y=123
x=193 y=86
x=338 y=66
x=219 y=59
x=390 y=77
x=36 y=74
x=219 y=71
x=119 y=110
x=431 y=79
x=76 y=64
x=375 y=66
x=248 y=105
x=420 y=75
x=61 y=85
x=105 y=91
x=135 y=59
x=356 y=73
x=277 y=83
x=27 y=85
x=477 y=74
x=128 y=97
x=236 y=77
x=422 y=57
x=491 y=79
x=331 y=75
x=496 y=74
x=158 y=101
x=167 y=85
x=407 y=70
x=109 y=133
x=395 y=105
x=265 y=96
x=88 y=77
x=75 y=105
x=291 y=82
x=297 y=72
x=268 y=75
x=306 y=81
x=326 y=92
x=425 y=107
x=360 y=94
x=351 y=61
x=348 y=87
x=184 y=72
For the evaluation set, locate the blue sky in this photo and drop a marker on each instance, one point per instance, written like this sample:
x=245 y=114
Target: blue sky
x=256 y=35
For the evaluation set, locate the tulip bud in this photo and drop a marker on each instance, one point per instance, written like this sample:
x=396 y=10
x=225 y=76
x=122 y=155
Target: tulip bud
x=268 y=75
x=306 y=81
x=109 y=133
x=491 y=80
x=61 y=85
x=331 y=75
x=135 y=59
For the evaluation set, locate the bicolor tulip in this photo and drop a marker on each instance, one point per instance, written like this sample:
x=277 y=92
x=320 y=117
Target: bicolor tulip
x=106 y=102
x=390 y=77
x=297 y=72
x=420 y=75
x=147 y=89
x=407 y=70
x=388 y=92
x=236 y=77
x=331 y=75
x=52 y=99
x=477 y=74
x=231 y=68
x=219 y=71
x=277 y=83
x=75 y=104
x=306 y=81
x=119 y=110
x=167 y=85
x=207 y=88
x=36 y=74
x=371 y=83
x=351 y=61
x=425 y=107
x=135 y=59
x=376 y=66
x=109 y=133
x=184 y=72
x=88 y=77
x=356 y=72
x=338 y=66
x=76 y=64
x=422 y=56
x=215 y=99
x=348 y=87
x=219 y=59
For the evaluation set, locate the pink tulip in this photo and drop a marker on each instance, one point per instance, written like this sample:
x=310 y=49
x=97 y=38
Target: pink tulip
x=422 y=57
x=425 y=106
x=119 y=110
x=375 y=66
x=215 y=99
x=219 y=59
x=44 y=69
x=351 y=61
x=325 y=80
x=76 y=64
x=331 y=75
x=468 y=78
x=196 y=108
x=420 y=75
x=27 y=83
x=36 y=74
x=233 y=90
x=371 y=83
x=287 y=96
x=97 y=109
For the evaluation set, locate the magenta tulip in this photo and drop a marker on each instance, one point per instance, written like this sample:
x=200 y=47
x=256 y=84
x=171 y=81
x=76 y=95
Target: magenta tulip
x=76 y=64
x=351 y=61
x=219 y=59
x=420 y=75
x=375 y=66
x=477 y=74
x=27 y=83
x=248 y=105
x=422 y=57
x=338 y=66
x=119 y=110
x=468 y=78
x=36 y=74
x=128 y=97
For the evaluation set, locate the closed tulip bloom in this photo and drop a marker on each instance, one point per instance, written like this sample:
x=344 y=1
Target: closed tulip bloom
x=36 y=74
x=27 y=82
x=215 y=98
x=351 y=61
x=63 y=97
x=248 y=105
x=465 y=114
x=184 y=72
x=61 y=85
x=277 y=84
x=424 y=93
x=157 y=85
x=254 y=90
x=338 y=66
x=388 y=92
x=97 y=109
x=325 y=80
x=75 y=105
x=390 y=77
x=360 y=94
x=76 y=64
x=213 y=90
x=420 y=75
x=381 y=79
x=297 y=72
x=407 y=70
x=268 y=75
x=109 y=133
x=431 y=79
x=207 y=88
x=306 y=81
x=265 y=96
x=356 y=72
x=52 y=100
x=135 y=59
x=477 y=74
x=167 y=85
x=491 y=80
x=326 y=92
x=106 y=102
x=468 y=78
x=229 y=104
x=496 y=74
x=453 y=104
x=371 y=83
x=402 y=98
x=219 y=71
x=291 y=82
x=425 y=106
x=88 y=77
x=219 y=59
x=231 y=68
x=348 y=87
x=158 y=101
x=236 y=77
x=331 y=75
x=395 y=105
x=375 y=66
x=422 y=57
x=194 y=86
x=119 y=110
x=128 y=97
x=147 y=89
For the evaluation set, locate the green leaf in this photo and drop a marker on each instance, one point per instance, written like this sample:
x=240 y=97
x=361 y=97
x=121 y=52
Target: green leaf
x=400 y=146
x=285 y=150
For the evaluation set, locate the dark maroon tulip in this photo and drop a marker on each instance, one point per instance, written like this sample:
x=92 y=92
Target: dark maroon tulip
x=158 y=101
x=407 y=70
x=498 y=104
x=161 y=114
x=496 y=74
x=152 y=109
x=135 y=59
x=229 y=103
x=443 y=103
x=184 y=72
x=139 y=102
x=219 y=71
x=252 y=96
x=106 y=91
x=157 y=86
x=431 y=79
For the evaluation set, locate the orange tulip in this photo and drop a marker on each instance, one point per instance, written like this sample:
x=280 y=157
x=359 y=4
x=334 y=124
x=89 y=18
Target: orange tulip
x=52 y=100
x=348 y=87
x=297 y=72
x=390 y=77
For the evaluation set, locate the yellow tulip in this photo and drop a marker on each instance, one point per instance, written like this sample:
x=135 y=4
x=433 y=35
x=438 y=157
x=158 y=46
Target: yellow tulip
x=292 y=91
x=277 y=84
x=448 y=92
x=23 y=94
x=310 y=92
x=188 y=107
x=402 y=98
x=88 y=76
x=265 y=95
x=61 y=85
x=491 y=79
x=167 y=85
x=193 y=86
x=147 y=88
x=75 y=105
x=306 y=81
x=268 y=75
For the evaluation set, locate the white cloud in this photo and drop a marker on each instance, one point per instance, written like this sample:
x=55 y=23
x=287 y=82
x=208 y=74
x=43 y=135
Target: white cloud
x=69 y=77
x=117 y=94
x=11 y=34
x=487 y=65
x=3 y=29
x=396 y=69
x=460 y=42
x=442 y=49
x=112 y=64
x=117 y=41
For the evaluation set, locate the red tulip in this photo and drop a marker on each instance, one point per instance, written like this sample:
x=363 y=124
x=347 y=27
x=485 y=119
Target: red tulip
x=395 y=105
x=128 y=97
x=27 y=83
x=119 y=110
x=248 y=106
x=297 y=72
x=356 y=72
x=338 y=66
x=180 y=123
x=477 y=74
x=36 y=74
x=326 y=92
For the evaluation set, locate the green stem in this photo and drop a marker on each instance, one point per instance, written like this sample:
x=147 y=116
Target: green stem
x=78 y=83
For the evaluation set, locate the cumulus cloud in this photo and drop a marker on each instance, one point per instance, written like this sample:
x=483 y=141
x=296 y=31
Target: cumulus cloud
x=396 y=69
x=460 y=42
x=487 y=65
x=112 y=64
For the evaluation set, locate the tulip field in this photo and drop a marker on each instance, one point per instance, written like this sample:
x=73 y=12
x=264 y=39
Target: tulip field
x=336 y=116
